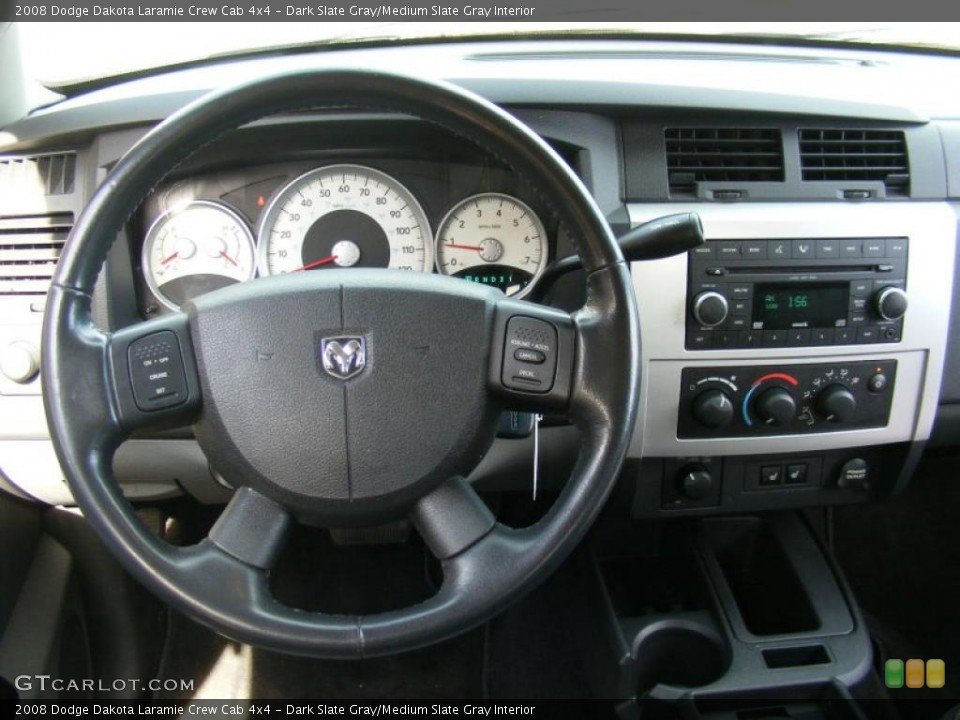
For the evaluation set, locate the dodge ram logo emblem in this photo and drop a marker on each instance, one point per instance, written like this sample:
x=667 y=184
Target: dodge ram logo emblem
x=343 y=357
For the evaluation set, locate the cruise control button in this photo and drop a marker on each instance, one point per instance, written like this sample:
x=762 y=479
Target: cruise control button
x=529 y=356
x=156 y=371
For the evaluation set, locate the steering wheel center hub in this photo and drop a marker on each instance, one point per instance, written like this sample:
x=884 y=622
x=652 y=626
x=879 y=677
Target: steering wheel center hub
x=345 y=396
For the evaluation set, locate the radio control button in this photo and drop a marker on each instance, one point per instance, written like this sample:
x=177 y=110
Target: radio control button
x=803 y=249
x=850 y=249
x=741 y=291
x=750 y=339
x=896 y=247
x=729 y=250
x=726 y=340
x=714 y=271
x=858 y=304
x=778 y=249
x=822 y=336
x=798 y=337
x=699 y=340
x=858 y=319
x=844 y=336
x=755 y=250
x=774 y=338
x=891 y=303
x=874 y=248
x=828 y=248
x=738 y=323
x=710 y=308
x=867 y=334
x=707 y=250
x=860 y=287
x=740 y=307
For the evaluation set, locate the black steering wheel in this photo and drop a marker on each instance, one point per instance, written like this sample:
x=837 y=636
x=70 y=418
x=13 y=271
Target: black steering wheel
x=342 y=398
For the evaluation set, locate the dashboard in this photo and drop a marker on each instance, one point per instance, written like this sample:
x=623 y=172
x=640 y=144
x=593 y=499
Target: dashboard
x=805 y=355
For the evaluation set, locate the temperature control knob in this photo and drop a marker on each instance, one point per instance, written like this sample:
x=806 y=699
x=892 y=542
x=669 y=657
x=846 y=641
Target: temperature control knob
x=890 y=303
x=836 y=403
x=776 y=406
x=710 y=308
x=713 y=409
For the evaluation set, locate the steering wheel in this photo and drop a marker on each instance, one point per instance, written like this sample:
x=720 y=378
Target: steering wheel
x=342 y=398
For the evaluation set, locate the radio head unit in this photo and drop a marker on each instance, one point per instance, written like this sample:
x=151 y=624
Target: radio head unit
x=796 y=293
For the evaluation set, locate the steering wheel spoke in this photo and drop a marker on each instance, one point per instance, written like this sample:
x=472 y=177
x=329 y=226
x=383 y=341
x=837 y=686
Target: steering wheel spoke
x=452 y=518
x=532 y=356
x=252 y=528
x=153 y=373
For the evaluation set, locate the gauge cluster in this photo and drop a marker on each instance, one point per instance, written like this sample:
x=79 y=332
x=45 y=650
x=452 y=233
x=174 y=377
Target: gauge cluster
x=469 y=221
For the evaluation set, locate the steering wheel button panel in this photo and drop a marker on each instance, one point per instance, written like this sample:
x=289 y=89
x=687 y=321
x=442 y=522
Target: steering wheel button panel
x=156 y=371
x=530 y=362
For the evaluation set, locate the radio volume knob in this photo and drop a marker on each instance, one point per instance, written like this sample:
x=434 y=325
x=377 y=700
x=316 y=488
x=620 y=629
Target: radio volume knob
x=710 y=308
x=837 y=404
x=891 y=303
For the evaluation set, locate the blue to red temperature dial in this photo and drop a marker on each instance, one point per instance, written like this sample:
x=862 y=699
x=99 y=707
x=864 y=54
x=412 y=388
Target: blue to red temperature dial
x=779 y=399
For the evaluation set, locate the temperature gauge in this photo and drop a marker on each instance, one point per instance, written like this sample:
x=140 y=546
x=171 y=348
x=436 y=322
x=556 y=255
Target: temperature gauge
x=194 y=249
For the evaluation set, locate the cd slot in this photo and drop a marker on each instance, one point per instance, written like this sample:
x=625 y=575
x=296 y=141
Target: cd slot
x=806 y=269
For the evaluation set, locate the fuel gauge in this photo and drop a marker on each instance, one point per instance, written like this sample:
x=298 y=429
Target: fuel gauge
x=194 y=249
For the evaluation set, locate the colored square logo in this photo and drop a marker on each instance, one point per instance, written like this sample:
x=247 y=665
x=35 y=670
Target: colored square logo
x=893 y=673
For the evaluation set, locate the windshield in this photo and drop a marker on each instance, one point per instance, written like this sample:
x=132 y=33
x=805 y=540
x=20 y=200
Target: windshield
x=130 y=47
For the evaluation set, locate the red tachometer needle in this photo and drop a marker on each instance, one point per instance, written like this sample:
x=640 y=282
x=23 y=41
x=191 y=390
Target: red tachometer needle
x=170 y=259
x=463 y=247
x=317 y=263
x=223 y=254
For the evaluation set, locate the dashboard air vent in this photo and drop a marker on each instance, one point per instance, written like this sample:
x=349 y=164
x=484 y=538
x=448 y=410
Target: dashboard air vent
x=29 y=248
x=857 y=155
x=722 y=155
x=49 y=174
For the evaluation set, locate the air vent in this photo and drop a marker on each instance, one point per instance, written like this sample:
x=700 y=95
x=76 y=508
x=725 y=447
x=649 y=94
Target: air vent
x=45 y=174
x=29 y=249
x=722 y=155
x=856 y=155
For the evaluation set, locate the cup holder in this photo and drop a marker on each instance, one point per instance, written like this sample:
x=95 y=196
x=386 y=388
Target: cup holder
x=679 y=653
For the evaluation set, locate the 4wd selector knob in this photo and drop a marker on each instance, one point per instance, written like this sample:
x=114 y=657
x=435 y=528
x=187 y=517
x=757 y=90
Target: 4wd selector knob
x=710 y=308
x=836 y=403
x=890 y=303
x=776 y=406
x=712 y=409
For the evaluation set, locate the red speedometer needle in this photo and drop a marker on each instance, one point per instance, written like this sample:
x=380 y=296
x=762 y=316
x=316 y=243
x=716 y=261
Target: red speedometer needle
x=463 y=247
x=170 y=259
x=223 y=254
x=317 y=263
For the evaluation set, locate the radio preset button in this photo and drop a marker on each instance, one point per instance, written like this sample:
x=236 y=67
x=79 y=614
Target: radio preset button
x=750 y=338
x=822 y=336
x=844 y=336
x=798 y=337
x=725 y=340
x=774 y=338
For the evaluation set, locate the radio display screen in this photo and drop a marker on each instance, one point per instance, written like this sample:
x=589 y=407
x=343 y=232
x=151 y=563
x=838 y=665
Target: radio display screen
x=781 y=306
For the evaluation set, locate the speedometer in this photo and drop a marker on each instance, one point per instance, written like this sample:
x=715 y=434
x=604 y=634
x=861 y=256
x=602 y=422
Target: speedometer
x=344 y=216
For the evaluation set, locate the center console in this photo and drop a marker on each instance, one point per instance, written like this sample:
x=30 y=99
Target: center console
x=795 y=358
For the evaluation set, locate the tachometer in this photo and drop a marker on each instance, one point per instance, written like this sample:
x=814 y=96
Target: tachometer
x=493 y=239
x=196 y=248
x=344 y=216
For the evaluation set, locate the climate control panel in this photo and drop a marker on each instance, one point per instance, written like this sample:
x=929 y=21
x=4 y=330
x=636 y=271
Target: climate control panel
x=785 y=399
